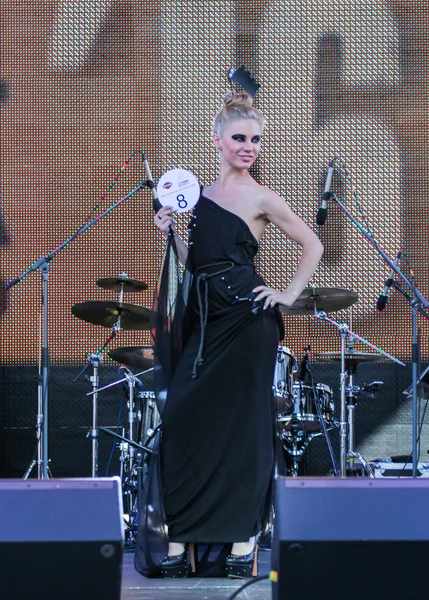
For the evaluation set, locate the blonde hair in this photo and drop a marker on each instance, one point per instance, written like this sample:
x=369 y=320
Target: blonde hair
x=236 y=105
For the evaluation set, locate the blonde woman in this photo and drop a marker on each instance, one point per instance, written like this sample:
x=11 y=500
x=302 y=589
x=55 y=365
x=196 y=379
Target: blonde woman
x=218 y=431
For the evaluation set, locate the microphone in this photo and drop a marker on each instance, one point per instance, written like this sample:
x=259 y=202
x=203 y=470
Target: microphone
x=384 y=296
x=327 y=194
x=156 y=203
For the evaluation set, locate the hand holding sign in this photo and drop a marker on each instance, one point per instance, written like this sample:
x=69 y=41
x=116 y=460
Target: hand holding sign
x=179 y=189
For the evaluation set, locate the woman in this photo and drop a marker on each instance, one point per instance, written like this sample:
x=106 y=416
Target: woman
x=217 y=450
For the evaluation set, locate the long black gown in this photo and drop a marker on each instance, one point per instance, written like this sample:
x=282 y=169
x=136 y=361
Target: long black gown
x=211 y=471
x=218 y=432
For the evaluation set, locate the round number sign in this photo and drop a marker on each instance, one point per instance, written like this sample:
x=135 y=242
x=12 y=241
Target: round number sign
x=178 y=188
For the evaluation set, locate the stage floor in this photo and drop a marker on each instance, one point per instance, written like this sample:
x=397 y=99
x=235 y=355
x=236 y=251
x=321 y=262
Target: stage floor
x=136 y=587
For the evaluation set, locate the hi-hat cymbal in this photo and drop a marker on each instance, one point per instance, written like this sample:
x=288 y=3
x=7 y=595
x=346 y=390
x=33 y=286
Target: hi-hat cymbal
x=352 y=358
x=326 y=299
x=140 y=357
x=106 y=313
x=122 y=283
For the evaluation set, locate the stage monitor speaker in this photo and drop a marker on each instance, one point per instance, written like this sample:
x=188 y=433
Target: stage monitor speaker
x=351 y=539
x=61 y=539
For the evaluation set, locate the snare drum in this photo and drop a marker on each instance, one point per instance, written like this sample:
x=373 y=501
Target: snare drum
x=283 y=379
x=305 y=408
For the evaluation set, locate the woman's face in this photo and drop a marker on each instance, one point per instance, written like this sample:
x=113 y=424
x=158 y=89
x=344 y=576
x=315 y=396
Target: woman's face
x=240 y=143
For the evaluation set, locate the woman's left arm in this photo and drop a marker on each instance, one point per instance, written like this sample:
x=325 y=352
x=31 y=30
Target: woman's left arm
x=276 y=211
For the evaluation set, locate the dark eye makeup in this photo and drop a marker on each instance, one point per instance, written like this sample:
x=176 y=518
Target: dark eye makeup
x=241 y=138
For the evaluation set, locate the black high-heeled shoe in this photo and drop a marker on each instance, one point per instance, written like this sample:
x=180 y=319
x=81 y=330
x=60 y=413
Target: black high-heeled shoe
x=177 y=566
x=243 y=567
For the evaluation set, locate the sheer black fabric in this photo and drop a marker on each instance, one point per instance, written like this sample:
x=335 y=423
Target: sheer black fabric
x=169 y=326
x=215 y=350
x=169 y=319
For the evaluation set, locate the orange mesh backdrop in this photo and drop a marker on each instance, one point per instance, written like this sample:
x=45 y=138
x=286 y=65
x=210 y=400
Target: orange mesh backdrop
x=89 y=82
x=86 y=83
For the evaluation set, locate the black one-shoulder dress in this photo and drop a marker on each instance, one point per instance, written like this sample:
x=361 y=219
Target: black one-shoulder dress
x=218 y=424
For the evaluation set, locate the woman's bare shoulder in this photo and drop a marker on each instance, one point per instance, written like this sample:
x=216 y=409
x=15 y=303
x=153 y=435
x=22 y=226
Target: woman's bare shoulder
x=267 y=198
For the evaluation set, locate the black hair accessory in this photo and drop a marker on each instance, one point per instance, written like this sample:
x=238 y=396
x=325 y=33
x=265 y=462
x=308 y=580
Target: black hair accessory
x=244 y=78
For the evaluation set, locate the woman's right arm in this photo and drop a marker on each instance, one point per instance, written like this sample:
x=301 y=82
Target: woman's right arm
x=163 y=220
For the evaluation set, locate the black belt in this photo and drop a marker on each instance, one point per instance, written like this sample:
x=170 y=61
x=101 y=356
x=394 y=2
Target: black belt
x=203 y=305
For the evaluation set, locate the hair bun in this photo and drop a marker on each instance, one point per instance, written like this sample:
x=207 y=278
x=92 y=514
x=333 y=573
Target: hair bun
x=233 y=99
x=236 y=105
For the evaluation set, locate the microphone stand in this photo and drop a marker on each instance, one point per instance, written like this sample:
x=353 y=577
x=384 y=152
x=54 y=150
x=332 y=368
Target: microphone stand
x=43 y=263
x=418 y=304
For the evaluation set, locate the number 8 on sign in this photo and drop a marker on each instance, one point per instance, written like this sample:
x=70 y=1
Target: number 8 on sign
x=181 y=202
x=178 y=188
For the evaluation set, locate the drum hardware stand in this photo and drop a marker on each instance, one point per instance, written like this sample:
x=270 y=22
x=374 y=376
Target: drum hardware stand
x=43 y=263
x=137 y=445
x=127 y=440
x=128 y=444
x=131 y=379
x=352 y=393
x=130 y=484
x=296 y=454
x=123 y=456
x=139 y=477
x=317 y=403
x=109 y=385
x=98 y=352
x=344 y=330
x=134 y=506
x=126 y=475
x=418 y=304
x=150 y=433
x=95 y=360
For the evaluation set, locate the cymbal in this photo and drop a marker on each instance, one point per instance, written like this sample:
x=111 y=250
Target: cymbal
x=326 y=299
x=352 y=358
x=140 y=357
x=118 y=283
x=103 y=312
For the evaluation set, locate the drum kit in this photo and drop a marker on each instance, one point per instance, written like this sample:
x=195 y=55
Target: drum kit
x=142 y=418
x=305 y=409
